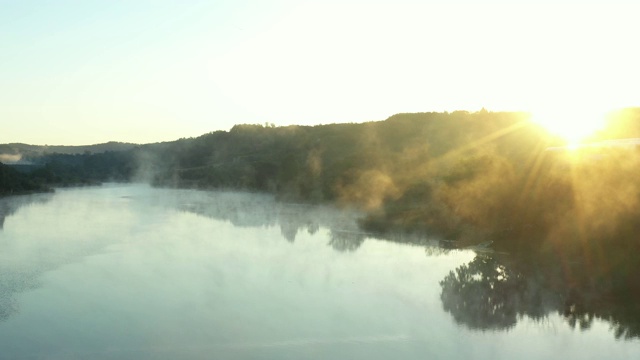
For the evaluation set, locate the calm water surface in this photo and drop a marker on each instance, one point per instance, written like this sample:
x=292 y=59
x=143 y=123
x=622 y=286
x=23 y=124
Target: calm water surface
x=132 y=272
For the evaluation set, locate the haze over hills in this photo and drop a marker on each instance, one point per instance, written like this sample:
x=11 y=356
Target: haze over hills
x=18 y=152
x=365 y=164
x=466 y=178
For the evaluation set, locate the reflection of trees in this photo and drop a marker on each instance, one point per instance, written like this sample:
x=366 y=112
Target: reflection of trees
x=619 y=307
x=9 y=205
x=625 y=318
x=256 y=210
x=344 y=240
x=493 y=293
x=246 y=209
x=485 y=294
x=295 y=217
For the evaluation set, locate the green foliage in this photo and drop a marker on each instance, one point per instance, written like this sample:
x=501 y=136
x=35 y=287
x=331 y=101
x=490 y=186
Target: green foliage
x=13 y=182
x=460 y=175
x=60 y=170
x=84 y=169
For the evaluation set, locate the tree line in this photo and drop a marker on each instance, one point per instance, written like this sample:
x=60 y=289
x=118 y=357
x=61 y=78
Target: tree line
x=462 y=177
x=468 y=176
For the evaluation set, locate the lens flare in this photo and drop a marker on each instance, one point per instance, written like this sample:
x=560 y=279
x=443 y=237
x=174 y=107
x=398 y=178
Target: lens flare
x=572 y=124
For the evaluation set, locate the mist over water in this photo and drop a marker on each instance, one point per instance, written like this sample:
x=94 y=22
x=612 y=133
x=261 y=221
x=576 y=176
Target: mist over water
x=132 y=272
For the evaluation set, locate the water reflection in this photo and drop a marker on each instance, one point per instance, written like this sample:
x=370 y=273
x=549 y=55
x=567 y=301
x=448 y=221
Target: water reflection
x=49 y=231
x=345 y=240
x=82 y=222
x=258 y=210
x=486 y=294
x=14 y=280
x=492 y=292
x=243 y=209
x=9 y=205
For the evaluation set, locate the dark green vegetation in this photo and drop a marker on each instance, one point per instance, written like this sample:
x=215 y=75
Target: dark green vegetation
x=13 y=182
x=61 y=170
x=38 y=168
x=569 y=220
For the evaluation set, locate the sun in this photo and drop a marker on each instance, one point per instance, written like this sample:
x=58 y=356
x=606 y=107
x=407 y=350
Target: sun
x=573 y=124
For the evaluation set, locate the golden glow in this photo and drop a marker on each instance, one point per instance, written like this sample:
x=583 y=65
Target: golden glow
x=573 y=123
x=222 y=63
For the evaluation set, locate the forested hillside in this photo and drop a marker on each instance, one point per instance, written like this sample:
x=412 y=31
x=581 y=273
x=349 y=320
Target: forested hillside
x=467 y=176
x=460 y=175
x=13 y=182
x=561 y=220
x=340 y=161
x=24 y=152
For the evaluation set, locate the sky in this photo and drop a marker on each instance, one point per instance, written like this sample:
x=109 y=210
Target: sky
x=85 y=71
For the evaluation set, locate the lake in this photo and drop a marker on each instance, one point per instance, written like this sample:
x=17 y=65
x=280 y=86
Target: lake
x=132 y=272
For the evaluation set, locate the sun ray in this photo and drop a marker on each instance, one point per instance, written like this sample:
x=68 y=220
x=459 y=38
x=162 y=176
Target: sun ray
x=484 y=140
x=573 y=124
x=534 y=164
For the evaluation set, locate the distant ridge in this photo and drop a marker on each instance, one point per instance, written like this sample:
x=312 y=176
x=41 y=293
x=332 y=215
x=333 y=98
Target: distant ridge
x=17 y=152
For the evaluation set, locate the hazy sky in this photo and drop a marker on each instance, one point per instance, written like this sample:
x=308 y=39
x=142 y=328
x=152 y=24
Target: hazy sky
x=80 y=72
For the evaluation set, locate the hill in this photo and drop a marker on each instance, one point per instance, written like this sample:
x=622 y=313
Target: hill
x=18 y=152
